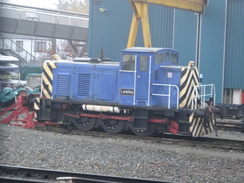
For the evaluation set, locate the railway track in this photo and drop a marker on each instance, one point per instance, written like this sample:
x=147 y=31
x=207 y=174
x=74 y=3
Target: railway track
x=226 y=144
x=16 y=174
x=201 y=142
x=21 y=174
x=231 y=125
x=205 y=142
x=236 y=125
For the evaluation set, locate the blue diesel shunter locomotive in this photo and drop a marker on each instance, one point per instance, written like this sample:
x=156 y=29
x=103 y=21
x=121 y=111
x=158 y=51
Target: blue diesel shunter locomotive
x=146 y=92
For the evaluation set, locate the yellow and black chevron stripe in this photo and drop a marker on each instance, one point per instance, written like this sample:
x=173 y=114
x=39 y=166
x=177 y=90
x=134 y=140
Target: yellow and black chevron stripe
x=189 y=79
x=37 y=104
x=47 y=79
x=197 y=127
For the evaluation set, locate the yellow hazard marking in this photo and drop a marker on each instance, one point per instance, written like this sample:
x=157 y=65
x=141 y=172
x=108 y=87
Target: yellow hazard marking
x=46 y=94
x=189 y=80
x=36 y=104
x=47 y=78
x=197 y=127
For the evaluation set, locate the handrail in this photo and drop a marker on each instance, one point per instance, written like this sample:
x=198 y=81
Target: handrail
x=25 y=56
x=169 y=93
x=202 y=92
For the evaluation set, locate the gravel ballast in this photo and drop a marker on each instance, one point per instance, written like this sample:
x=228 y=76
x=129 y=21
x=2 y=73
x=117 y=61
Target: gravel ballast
x=120 y=157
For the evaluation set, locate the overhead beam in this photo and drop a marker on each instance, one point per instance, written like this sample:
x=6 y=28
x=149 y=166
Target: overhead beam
x=189 y=5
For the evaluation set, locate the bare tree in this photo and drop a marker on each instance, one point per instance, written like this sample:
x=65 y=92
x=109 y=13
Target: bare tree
x=81 y=6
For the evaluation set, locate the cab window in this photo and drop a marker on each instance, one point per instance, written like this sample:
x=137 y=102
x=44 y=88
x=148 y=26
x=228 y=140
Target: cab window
x=143 y=63
x=159 y=58
x=167 y=57
x=128 y=62
x=174 y=58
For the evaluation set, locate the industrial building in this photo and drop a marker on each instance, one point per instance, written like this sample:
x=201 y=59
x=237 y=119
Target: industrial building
x=214 y=39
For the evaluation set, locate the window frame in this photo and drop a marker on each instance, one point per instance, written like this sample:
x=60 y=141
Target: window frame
x=127 y=63
x=144 y=63
x=40 y=46
x=19 y=46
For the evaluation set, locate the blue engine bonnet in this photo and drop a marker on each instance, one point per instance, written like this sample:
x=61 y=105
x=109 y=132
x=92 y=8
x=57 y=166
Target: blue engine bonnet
x=85 y=81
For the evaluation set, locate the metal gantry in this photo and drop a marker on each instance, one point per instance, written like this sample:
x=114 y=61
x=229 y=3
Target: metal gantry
x=140 y=9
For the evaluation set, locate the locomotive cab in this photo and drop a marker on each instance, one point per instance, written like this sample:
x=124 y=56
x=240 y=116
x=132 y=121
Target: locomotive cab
x=139 y=69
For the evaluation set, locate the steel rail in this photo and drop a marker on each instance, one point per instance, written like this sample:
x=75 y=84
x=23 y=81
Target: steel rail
x=204 y=142
x=167 y=138
x=16 y=173
x=231 y=126
x=18 y=180
x=227 y=144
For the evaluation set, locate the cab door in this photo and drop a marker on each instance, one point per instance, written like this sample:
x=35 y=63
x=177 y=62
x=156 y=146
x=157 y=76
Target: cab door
x=143 y=80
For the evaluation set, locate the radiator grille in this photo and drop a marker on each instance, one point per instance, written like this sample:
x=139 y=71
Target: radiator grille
x=63 y=85
x=84 y=85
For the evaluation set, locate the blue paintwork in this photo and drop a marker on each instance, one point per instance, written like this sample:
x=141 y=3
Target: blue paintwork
x=110 y=82
x=85 y=81
x=141 y=81
x=169 y=75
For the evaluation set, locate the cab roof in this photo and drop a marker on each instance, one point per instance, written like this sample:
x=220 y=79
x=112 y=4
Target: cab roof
x=147 y=49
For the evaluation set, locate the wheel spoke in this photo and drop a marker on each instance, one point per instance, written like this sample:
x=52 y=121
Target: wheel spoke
x=151 y=130
x=112 y=126
x=84 y=123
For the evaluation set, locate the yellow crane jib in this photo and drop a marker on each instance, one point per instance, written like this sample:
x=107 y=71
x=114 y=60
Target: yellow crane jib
x=140 y=8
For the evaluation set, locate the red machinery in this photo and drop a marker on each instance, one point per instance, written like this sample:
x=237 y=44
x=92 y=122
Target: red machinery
x=22 y=113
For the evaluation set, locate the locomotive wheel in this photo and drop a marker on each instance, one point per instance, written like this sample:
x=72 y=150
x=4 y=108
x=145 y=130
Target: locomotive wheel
x=151 y=130
x=112 y=126
x=84 y=123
